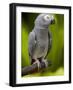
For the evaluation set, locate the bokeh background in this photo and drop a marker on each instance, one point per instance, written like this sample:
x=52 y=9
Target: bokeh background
x=56 y=54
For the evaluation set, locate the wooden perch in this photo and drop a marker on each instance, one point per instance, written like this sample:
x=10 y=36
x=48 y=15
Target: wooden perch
x=33 y=68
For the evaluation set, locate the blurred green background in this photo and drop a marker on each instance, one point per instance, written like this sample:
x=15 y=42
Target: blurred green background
x=56 y=54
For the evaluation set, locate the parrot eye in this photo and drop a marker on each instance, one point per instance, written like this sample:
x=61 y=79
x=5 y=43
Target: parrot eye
x=46 y=17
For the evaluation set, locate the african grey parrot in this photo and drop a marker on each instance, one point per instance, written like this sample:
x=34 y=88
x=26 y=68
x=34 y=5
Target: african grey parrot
x=40 y=40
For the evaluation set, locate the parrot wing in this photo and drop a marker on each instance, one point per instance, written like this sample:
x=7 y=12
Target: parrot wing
x=50 y=42
x=31 y=43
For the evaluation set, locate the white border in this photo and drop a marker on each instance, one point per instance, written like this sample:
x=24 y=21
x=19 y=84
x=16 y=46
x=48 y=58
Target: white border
x=20 y=80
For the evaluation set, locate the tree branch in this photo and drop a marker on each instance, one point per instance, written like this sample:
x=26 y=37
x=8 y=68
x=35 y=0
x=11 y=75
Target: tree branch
x=33 y=68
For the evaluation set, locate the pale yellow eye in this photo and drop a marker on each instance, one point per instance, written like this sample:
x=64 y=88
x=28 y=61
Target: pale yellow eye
x=46 y=17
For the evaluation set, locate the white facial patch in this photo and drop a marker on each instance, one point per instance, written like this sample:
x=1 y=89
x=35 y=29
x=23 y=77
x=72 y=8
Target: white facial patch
x=46 y=17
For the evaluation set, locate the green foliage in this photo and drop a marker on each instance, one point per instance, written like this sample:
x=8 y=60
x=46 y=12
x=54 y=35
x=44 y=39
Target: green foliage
x=56 y=54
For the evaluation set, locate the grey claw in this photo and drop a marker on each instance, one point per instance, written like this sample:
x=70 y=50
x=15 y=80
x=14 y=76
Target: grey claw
x=45 y=62
x=38 y=64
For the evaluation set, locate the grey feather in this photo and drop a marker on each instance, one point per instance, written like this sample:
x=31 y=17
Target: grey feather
x=31 y=43
x=50 y=41
x=40 y=40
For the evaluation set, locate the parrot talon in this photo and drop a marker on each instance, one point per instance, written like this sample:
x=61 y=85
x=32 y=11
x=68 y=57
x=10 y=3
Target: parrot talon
x=45 y=62
x=38 y=64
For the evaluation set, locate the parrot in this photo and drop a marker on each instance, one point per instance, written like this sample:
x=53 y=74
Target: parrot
x=40 y=39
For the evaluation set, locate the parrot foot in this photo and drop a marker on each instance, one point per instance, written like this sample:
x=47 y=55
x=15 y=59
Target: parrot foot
x=45 y=62
x=38 y=64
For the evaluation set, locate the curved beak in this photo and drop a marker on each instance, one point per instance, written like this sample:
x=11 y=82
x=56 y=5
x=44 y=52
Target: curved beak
x=53 y=21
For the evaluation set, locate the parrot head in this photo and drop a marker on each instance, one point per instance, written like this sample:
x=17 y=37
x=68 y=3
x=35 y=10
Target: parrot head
x=45 y=20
